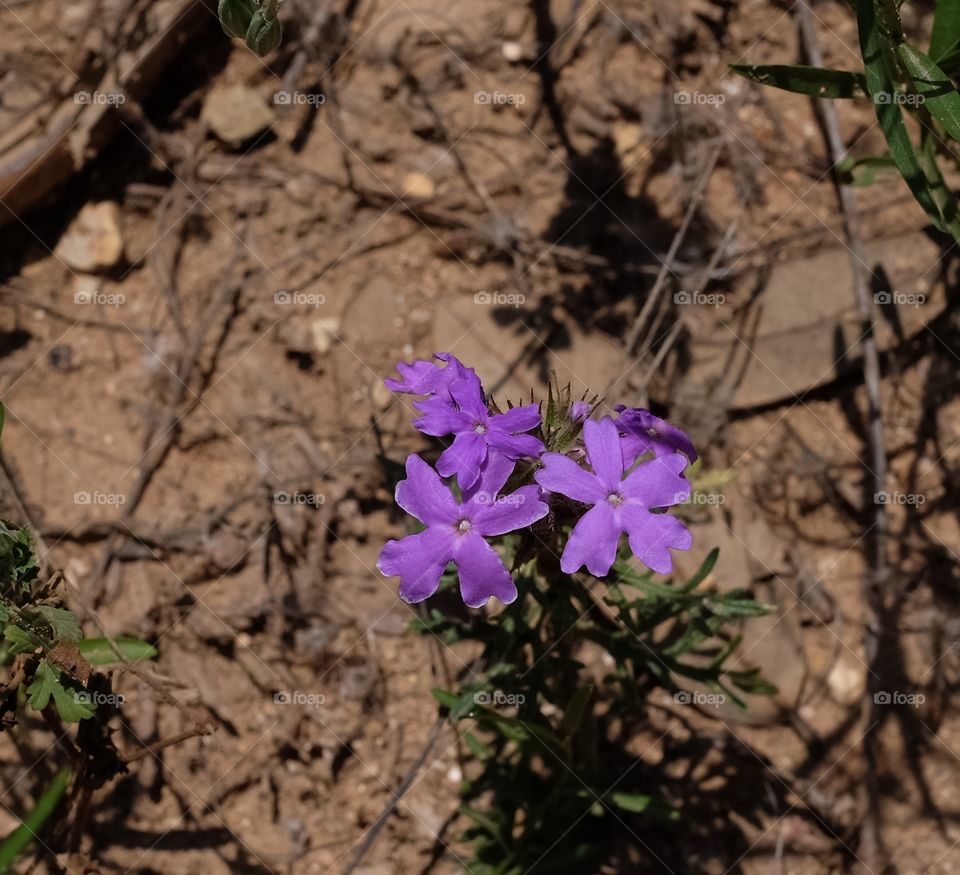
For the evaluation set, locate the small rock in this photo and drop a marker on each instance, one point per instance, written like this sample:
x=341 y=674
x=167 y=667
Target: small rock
x=418 y=185
x=235 y=114
x=382 y=396
x=846 y=681
x=94 y=240
x=512 y=51
x=324 y=333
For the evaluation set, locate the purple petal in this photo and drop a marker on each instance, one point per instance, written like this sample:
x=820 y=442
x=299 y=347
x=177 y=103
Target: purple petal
x=494 y=474
x=561 y=474
x=656 y=483
x=464 y=458
x=482 y=573
x=517 y=419
x=424 y=495
x=468 y=396
x=507 y=513
x=419 y=561
x=650 y=432
x=440 y=417
x=580 y=410
x=653 y=535
x=593 y=542
x=603 y=451
x=516 y=446
x=427 y=378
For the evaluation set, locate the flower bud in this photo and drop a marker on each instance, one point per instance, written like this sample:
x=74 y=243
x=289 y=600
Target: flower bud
x=235 y=16
x=264 y=33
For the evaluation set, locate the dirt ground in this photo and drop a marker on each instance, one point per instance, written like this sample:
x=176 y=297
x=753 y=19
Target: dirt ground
x=196 y=422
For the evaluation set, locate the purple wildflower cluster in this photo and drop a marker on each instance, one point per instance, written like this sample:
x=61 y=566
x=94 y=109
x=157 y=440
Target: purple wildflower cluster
x=623 y=497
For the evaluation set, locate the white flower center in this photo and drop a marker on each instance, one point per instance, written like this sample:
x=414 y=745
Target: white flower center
x=652 y=431
x=615 y=499
x=463 y=526
x=479 y=428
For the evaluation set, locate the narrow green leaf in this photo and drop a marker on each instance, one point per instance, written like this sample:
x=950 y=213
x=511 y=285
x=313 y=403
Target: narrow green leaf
x=576 y=710
x=935 y=87
x=946 y=28
x=882 y=88
x=97 y=651
x=812 y=81
x=703 y=571
x=640 y=803
x=15 y=843
x=862 y=172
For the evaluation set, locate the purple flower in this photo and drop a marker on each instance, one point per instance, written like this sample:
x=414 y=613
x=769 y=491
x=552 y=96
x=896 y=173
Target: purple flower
x=580 y=410
x=619 y=505
x=428 y=378
x=643 y=432
x=479 y=434
x=455 y=532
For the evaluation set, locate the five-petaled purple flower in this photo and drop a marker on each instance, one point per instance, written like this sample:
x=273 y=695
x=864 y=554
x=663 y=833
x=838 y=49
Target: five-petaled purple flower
x=425 y=377
x=643 y=432
x=456 y=531
x=619 y=505
x=480 y=435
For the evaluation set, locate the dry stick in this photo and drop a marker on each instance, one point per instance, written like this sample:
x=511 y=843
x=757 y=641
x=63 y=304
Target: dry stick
x=405 y=785
x=871 y=847
x=678 y=239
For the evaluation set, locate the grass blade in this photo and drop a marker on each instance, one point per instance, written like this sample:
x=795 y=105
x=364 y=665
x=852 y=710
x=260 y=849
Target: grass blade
x=15 y=843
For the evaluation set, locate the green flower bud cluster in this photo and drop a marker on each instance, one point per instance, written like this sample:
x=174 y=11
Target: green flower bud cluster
x=257 y=23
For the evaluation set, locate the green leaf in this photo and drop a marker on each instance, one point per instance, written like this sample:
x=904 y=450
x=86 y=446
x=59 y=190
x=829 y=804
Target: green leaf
x=812 y=81
x=640 y=803
x=576 y=710
x=46 y=684
x=703 y=571
x=940 y=97
x=63 y=623
x=862 y=172
x=15 y=843
x=97 y=651
x=881 y=86
x=946 y=28
x=18 y=564
x=21 y=641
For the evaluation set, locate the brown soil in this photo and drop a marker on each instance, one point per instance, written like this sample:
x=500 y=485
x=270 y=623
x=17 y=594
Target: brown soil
x=267 y=287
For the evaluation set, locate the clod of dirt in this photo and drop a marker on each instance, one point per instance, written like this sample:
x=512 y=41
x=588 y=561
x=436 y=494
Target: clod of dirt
x=94 y=241
x=418 y=185
x=324 y=333
x=235 y=114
